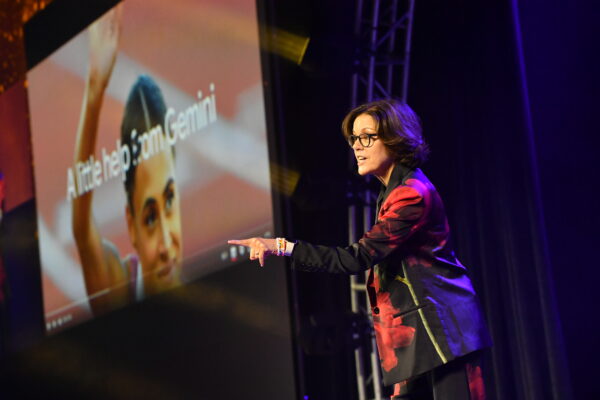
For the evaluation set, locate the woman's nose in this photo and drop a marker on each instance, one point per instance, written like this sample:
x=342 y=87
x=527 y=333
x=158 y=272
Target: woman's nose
x=166 y=240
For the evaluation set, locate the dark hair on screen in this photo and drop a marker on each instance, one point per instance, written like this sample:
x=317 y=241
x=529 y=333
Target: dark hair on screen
x=398 y=127
x=145 y=108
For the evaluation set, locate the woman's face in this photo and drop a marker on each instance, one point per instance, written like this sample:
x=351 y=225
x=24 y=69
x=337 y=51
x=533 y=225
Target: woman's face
x=155 y=226
x=374 y=159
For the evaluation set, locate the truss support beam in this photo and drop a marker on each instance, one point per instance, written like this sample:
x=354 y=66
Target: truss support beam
x=383 y=30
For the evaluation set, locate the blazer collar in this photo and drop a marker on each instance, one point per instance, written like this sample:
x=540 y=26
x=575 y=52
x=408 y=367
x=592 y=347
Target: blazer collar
x=398 y=174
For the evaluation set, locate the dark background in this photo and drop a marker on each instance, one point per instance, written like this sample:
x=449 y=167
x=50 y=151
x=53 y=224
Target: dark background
x=507 y=92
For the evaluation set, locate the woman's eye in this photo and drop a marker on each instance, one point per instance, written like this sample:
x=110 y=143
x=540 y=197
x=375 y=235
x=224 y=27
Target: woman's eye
x=169 y=200
x=150 y=219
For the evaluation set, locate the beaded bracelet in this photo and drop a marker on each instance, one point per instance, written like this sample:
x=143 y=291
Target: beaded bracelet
x=281 y=245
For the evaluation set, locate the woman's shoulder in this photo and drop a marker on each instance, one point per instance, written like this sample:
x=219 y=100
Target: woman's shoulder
x=418 y=181
x=401 y=196
x=414 y=188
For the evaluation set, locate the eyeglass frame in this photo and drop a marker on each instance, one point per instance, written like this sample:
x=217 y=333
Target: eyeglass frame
x=369 y=136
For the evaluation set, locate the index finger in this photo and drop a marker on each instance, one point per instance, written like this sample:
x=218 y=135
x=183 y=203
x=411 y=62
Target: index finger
x=243 y=242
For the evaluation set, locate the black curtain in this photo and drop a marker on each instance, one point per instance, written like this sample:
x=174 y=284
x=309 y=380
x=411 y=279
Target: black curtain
x=469 y=85
x=560 y=41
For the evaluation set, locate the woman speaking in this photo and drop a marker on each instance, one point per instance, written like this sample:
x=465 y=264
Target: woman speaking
x=427 y=318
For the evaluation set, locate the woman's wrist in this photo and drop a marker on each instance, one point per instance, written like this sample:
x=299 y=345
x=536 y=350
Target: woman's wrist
x=284 y=247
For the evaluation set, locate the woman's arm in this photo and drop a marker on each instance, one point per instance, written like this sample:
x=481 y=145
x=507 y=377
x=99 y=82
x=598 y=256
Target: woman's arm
x=402 y=215
x=100 y=261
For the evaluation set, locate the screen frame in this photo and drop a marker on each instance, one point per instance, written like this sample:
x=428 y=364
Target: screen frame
x=61 y=20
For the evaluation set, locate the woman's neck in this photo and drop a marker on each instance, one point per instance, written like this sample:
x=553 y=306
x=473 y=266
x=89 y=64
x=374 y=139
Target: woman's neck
x=385 y=177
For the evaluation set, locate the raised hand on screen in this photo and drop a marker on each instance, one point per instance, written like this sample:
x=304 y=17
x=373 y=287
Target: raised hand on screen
x=104 y=41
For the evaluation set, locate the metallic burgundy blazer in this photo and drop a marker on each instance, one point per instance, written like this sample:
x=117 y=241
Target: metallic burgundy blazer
x=425 y=311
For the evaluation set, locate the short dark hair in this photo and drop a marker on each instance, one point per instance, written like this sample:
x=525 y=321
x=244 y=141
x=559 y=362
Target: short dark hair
x=397 y=126
x=145 y=108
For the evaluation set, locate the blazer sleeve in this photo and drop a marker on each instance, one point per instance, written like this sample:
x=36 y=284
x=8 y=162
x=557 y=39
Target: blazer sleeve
x=400 y=216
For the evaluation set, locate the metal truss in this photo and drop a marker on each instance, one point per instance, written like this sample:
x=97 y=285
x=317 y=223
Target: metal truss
x=383 y=32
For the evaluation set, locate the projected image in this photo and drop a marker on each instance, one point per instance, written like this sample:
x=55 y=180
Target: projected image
x=149 y=141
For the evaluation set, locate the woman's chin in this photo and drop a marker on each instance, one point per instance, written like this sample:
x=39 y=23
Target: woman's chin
x=362 y=171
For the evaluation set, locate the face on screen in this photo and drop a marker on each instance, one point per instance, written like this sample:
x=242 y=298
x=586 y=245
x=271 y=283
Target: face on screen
x=155 y=224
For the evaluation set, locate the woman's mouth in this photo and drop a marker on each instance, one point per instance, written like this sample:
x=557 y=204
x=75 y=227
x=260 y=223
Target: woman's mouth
x=164 y=271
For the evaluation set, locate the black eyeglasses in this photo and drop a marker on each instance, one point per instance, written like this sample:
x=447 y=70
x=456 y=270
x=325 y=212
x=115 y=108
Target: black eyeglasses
x=366 y=139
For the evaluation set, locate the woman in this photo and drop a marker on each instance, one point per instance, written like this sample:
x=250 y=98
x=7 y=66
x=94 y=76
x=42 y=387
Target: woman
x=152 y=210
x=427 y=319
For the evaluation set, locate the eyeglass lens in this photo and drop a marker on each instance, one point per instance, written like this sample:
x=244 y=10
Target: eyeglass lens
x=365 y=139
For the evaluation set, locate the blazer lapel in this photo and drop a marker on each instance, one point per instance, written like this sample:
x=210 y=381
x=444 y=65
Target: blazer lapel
x=398 y=174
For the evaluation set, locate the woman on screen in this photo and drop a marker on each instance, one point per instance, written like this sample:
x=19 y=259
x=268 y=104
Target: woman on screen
x=152 y=210
x=426 y=316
